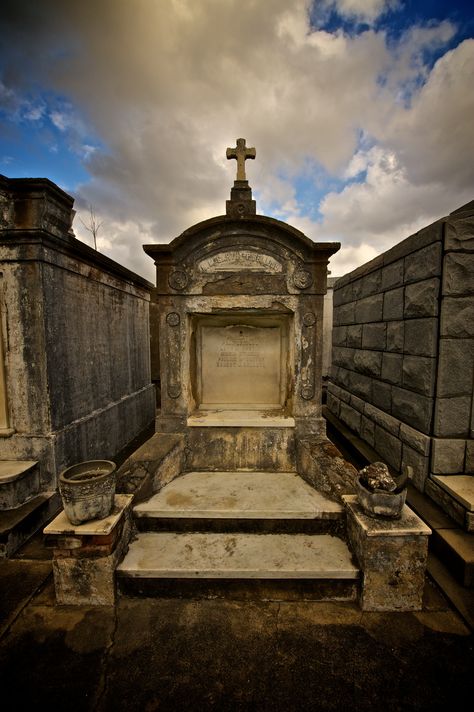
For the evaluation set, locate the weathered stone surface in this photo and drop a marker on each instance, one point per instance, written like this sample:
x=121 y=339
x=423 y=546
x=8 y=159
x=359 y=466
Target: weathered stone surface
x=368 y=309
x=367 y=430
x=392 y=555
x=457 y=317
x=469 y=456
x=392 y=368
x=456 y=367
x=412 y=408
x=419 y=465
x=393 y=304
x=343 y=356
x=418 y=374
x=344 y=314
x=342 y=294
x=357 y=403
x=424 y=263
x=354 y=335
x=459 y=233
x=339 y=336
x=448 y=456
x=368 y=285
x=395 y=336
x=458 y=275
x=452 y=508
x=333 y=403
x=374 y=336
x=452 y=417
x=389 y=447
x=382 y=418
x=416 y=440
x=320 y=463
x=421 y=298
x=350 y=417
x=392 y=275
x=421 y=337
x=382 y=396
x=368 y=362
x=360 y=385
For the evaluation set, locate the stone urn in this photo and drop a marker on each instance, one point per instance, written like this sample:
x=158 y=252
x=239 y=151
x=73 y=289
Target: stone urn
x=88 y=490
x=378 y=493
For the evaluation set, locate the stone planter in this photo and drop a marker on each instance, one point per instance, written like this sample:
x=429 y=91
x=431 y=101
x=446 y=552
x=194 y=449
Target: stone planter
x=379 y=503
x=87 y=490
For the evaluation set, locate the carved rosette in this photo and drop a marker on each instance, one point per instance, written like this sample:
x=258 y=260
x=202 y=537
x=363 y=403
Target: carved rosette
x=302 y=279
x=173 y=319
x=178 y=280
x=308 y=343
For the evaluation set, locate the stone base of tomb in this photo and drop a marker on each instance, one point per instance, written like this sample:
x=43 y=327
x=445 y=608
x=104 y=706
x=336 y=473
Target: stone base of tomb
x=392 y=555
x=85 y=556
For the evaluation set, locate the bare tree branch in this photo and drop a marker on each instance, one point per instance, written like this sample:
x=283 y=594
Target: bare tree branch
x=93 y=226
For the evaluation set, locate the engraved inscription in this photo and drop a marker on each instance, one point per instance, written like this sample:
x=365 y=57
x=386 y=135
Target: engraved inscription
x=236 y=260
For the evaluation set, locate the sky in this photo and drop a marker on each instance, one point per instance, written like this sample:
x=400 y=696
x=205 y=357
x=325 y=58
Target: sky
x=361 y=113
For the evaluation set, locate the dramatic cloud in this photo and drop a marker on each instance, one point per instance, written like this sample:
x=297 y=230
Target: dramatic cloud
x=152 y=93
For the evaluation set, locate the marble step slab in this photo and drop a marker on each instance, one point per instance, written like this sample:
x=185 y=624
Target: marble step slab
x=19 y=482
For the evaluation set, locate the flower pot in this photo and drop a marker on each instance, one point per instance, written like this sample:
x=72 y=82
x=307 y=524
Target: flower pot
x=88 y=490
x=378 y=503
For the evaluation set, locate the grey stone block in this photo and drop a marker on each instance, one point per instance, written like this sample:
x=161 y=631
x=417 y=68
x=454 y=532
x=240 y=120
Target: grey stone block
x=392 y=275
x=452 y=508
x=357 y=403
x=354 y=336
x=424 y=263
x=452 y=417
x=333 y=403
x=342 y=356
x=392 y=368
x=456 y=366
x=458 y=276
x=421 y=337
x=419 y=373
x=350 y=417
x=339 y=336
x=415 y=439
x=457 y=317
x=412 y=408
x=459 y=233
x=342 y=377
x=393 y=304
x=367 y=285
x=469 y=466
x=368 y=309
x=361 y=385
x=382 y=395
x=383 y=419
x=422 y=298
x=344 y=314
x=389 y=447
x=419 y=464
x=367 y=431
x=395 y=336
x=374 y=336
x=448 y=456
x=368 y=362
x=342 y=295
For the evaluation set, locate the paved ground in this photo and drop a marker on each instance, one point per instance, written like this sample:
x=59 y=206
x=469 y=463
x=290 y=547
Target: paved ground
x=173 y=654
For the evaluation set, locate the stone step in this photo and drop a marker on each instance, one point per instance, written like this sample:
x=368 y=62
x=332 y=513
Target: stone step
x=454 y=494
x=19 y=482
x=287 y=566
x=18 y=525
x=240 y=501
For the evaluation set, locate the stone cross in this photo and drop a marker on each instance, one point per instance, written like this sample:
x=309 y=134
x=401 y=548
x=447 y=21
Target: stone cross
x=241 y=153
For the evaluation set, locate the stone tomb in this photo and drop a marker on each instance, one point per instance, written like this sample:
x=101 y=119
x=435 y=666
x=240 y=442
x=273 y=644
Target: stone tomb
x=240 y=333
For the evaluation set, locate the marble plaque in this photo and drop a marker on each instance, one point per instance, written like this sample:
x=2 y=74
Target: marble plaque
x=241 y=365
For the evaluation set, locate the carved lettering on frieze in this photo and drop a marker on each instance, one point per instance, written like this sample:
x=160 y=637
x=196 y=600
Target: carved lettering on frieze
x=240 y=260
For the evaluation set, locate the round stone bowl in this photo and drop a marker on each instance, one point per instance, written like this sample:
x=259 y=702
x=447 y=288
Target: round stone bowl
x=88 y=490
x=379 y=503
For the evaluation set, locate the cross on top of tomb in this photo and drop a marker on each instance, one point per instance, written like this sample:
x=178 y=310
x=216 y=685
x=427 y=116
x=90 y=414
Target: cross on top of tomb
x=241 y=153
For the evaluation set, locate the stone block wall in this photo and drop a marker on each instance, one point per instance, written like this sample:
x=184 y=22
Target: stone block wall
x=75 y=337
x=403 y=350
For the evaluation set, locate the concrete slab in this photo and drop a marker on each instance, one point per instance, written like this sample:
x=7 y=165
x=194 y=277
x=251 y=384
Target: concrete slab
x=239 y=418
x=461 y=487
x=10 y=470
x=250 y=495
x=243 y=556
x=96 y=527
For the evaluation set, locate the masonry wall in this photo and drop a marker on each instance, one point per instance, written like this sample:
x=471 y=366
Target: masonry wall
x=403 y=350
x=76 y=342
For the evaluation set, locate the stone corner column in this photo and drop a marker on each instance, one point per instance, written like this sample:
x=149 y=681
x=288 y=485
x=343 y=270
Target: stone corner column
x=392 y=554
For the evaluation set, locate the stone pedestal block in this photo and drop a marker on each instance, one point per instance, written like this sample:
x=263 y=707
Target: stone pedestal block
x=85 y=556
x=392 y=555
